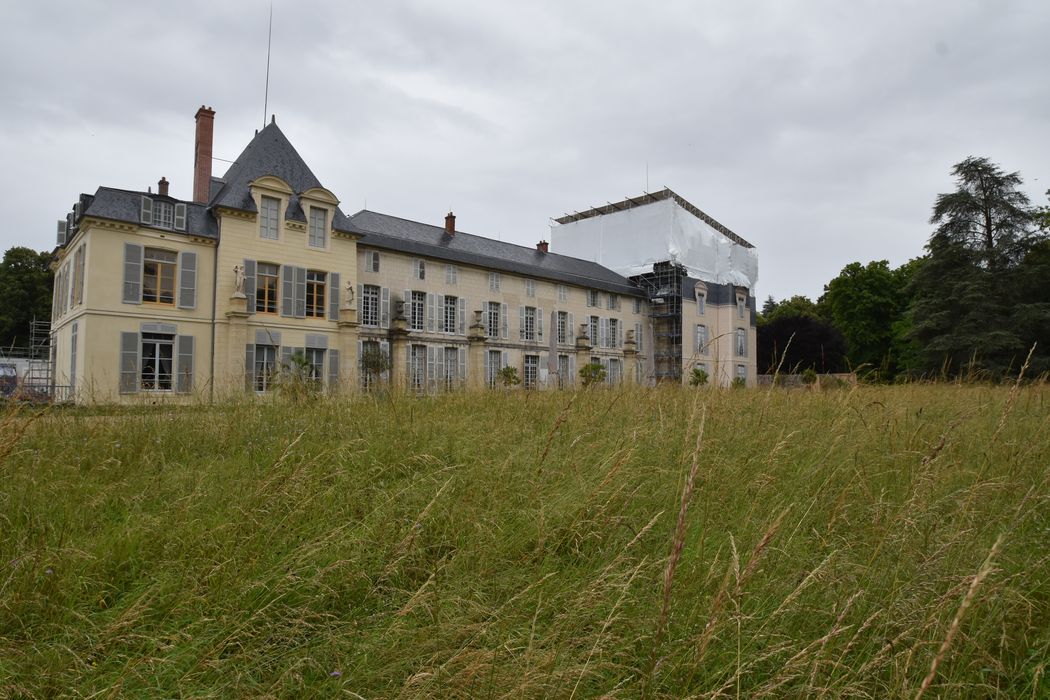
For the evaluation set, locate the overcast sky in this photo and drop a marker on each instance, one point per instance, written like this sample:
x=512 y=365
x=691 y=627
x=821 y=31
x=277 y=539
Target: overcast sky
x=820 y=131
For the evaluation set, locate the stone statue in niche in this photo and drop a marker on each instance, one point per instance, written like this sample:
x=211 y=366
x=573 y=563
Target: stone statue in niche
x=238 y=281
x=349 y=296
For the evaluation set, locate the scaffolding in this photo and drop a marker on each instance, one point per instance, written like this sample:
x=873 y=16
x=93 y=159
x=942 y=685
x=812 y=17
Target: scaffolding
x=40 y=377
x=663 y=287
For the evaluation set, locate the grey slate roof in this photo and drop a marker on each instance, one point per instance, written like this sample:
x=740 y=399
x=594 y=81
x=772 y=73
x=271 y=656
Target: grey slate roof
x=125 y=205
x=270 y=153
x=393 y=233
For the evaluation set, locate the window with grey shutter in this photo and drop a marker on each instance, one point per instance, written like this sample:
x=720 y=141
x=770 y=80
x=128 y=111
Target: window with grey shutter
x=249 y=367
x=333 y=371
x=146 y=212
x=539 y=325
x=129 y=363
x=132 y=273
x=287 y=290
x=300 y=292
x=384 y=308
x=333 y=296
x=249 y=284
x=187 y=280
x=461 y=316
x=462 y=376
x=504 y=322
x=431 y=311
x=180 y=216
x=384 y=347
x=184 y=366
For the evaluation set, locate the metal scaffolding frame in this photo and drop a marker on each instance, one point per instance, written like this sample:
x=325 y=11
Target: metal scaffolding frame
x=663 y=287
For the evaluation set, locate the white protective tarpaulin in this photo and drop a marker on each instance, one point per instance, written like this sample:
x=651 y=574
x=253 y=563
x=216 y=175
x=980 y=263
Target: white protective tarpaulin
x=631 y=240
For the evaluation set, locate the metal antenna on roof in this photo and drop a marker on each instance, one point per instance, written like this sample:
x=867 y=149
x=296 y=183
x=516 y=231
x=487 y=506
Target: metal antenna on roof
x=266 y=94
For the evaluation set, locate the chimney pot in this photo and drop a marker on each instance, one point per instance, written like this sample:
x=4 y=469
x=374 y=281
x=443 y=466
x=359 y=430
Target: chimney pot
x=162 y=186
x=450 y=224
x=202 y=155
x=542 y=246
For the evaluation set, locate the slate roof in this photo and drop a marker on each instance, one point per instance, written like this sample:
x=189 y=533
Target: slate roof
x=270 y=153
x=394 y=233
x=125 y=205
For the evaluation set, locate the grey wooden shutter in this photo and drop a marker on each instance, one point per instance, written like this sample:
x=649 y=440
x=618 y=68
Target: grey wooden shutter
x=146 y=212
x=504 y=322
x=539 y=325
x=333 y=296
x=287 y=290
x=360 y=303
x=129 y=363
x=462 y=376
x=440 y=317
x=184 y=366
x=488 y=367
x=333 y=371
x=461 y=316
x=570 y=334
x=180 y=217
x=384 y=308
x=300 y=292
x=521 y=323
x=430 y=313
x=436 y=362
x=572 y=369
x=132 y=273
x=249 y=284
x=187 y=280
x=506 y=359
x=486 y=317
x=249 y=367
x=638 y=337
x=601 y=332
x=384 y=347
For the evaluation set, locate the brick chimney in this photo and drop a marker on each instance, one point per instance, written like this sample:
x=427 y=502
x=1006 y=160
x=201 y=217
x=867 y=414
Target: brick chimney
x=202 y=155
x=162 y=186
x=450 y=224
x=542 y=246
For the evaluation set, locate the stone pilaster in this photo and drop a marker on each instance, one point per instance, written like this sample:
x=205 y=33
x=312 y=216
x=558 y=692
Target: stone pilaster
x=583 y=350
x=475 y=379
x=630 y=359
x=348 y=359
x=235 y=382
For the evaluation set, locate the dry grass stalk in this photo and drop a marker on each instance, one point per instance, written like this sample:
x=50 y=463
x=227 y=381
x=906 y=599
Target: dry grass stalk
x=1014 y=391
x=982 y=573
x=563 y=415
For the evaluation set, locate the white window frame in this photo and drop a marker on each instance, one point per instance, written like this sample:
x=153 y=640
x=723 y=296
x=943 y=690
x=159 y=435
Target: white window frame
x=494 y=281
x=451 y=275
x=563 y=292
x=530 y=288
x=318 y=234
x=419 y=269
x=269 y=226
x=370 y=311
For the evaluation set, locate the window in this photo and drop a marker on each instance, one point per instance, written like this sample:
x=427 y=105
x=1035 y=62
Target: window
x=315 y=285
x=741 y=372
x=492 y=323
x=494 y=281
x=266 y=288
x=419 y=269
x=741 y=342
x=451 y=365
x=73 y=357
x=530 y=288
x=563 y=292
x=740 y=304
x=449 y=316
x=532 y=371
x=158 y=276
x=371 y=261
x=528 y=323
x=417 y=367
x=701 y=338
x=701 y=302
x=265 y=367
x=268 y=218
x=564 y=373
x=163 y=214
x=369 y=349
x=451 y=274
x=78 y=266
x=494 y=364
x=638 y=344
x=318 y=227
x=417 y=310
x=614 y=301
x=612 y=338
x=563 y=327
x=615 y=371
x=592 y=330
x=592 y=298
x=637 y=305
x=314 y=365
x=370 y=305
x=157 y=358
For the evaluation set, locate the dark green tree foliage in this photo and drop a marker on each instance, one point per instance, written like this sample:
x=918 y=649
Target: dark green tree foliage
x=979 y=299
x=25 y=293
x=865 y=302
x=797 y=305
x=814 y=344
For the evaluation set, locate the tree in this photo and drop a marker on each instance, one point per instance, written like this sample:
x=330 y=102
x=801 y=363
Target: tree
x=814 y=344
x=26 y=282
x=797 y=305
x=976 y=298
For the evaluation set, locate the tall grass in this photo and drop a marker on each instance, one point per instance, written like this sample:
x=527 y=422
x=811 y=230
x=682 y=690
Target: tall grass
x=872 y=542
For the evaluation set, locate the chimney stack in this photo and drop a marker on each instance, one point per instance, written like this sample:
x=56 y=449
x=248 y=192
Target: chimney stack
x=450 y=224
x=162 y=186
x=202 y=155
x=542 y=246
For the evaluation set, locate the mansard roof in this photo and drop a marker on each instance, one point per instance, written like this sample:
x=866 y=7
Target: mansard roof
x=126 y=206
x=270 y=153
x=415 y=238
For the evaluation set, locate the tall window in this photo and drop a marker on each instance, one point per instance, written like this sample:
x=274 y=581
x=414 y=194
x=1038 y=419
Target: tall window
x=592 y=298
x=614 y=301
x=592 y=330
x=73 y=357
x=451 y=274
x=563 y=292
x=419 y=269
x=701 y=303
x=612 y=338
x=493 y=319
x=637 y=305
x=449 y=315
x=494 y=281
x=268 y=218
x=532 y=371
x=494 y=365
x=372 y=261
x=370 y=305
x=417 y=310
x=315 y=365
x=740 y=305
x=318 y=227
x=530 y=288
x=741 y=342
x=528 y=325
x=265 y=367
x=158 y=276
x=417 y=367
x=564 y=376
x=451 y=368
x=615 y=373
x=315 y=282
x=701 y=338
x=163 y=214
x=266 y=288
x=741 y=372
x=369 y=348
x=157 y=351
x=563 y=327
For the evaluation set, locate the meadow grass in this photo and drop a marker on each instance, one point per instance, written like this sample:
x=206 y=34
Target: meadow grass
x=868 y=542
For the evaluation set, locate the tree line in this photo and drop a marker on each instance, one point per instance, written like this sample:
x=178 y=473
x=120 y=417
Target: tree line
x=974 y=304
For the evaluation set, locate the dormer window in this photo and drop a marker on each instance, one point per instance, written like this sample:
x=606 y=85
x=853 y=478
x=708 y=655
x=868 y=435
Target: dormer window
x=269 y=207
x=161 y=214
x=318 y=227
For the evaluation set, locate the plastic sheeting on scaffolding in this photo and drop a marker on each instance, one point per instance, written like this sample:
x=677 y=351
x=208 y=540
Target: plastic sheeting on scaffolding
x=630 y=241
